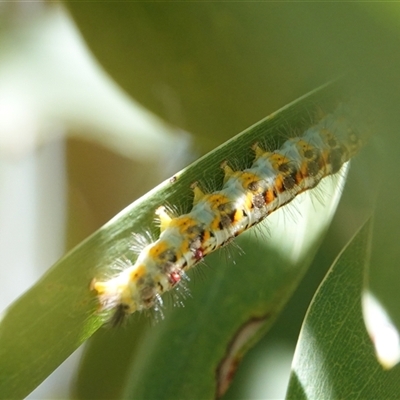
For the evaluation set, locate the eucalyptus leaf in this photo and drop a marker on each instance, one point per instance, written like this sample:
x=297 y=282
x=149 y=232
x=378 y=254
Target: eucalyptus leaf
x=334 y=356
x=44 y=326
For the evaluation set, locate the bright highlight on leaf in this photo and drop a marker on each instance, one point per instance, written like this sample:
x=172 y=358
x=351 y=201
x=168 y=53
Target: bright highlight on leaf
x=381 y=330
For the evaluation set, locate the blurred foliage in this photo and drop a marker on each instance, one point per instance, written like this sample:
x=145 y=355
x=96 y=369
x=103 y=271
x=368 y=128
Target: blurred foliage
x=213 y=69
x=216 y=67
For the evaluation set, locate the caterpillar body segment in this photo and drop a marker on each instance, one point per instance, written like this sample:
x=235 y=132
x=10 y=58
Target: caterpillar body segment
x=247 y=197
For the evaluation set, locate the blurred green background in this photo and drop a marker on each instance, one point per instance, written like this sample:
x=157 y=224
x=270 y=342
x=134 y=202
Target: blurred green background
x=206 y=71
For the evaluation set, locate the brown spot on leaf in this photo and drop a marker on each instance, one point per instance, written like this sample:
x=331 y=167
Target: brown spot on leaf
x=236 y=348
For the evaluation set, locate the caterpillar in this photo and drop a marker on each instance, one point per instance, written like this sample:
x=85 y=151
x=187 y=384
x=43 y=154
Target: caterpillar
x=246 y=198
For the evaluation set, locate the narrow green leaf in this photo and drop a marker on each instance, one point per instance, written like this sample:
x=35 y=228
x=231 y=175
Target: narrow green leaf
x=334 y=358
x=51 y=320
x=384 y=271
x=195 y=351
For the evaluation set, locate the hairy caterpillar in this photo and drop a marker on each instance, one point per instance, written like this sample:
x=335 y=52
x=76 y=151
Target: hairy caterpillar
x=247 y=197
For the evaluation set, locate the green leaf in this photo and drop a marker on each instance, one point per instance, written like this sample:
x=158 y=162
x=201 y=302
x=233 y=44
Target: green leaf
x=194 y=352
x=216 y=66
x=384 y=272
x=334 y=356
x=44 y=326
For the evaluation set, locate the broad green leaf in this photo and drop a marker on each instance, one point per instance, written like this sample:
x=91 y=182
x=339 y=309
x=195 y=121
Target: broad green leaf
x=334 y=357
x=203 y=67
x=216 y=66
